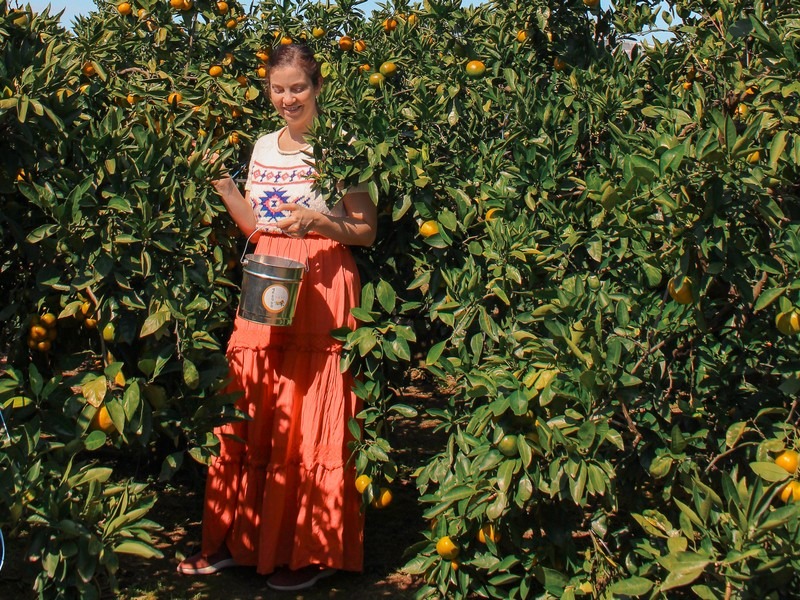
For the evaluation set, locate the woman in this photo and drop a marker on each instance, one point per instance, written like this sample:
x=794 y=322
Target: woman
x=280 y=495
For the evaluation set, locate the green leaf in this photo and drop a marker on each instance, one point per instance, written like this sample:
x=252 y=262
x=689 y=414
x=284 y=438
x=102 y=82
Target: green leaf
x=769 y=471
x=154 y=322
x=435 y=352
x=684 y=568
x=386 y=296
x=633 y=586
x=190 y=374
x=138 y=548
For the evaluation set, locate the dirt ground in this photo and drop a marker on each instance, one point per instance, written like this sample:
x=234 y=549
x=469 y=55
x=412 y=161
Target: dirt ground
x=388 y=533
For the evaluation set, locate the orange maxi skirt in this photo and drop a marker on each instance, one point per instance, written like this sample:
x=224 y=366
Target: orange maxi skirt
x=281 y=492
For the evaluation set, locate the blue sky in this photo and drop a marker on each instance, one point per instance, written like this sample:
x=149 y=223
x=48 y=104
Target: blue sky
x=72 y=8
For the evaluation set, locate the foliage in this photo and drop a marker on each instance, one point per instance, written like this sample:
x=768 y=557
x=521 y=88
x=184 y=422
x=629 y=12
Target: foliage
x=617 y=441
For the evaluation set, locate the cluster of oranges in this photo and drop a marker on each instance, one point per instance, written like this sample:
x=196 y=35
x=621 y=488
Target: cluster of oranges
x=449 y=549
x=42 y=332
x=382 y=499
x=86 y=315
x=789 y=460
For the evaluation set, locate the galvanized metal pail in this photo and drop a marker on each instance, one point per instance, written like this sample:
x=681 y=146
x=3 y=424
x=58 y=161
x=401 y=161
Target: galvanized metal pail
x=269 y=289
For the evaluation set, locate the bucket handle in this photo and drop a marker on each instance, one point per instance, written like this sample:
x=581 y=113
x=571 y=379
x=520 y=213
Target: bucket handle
x=243 y=260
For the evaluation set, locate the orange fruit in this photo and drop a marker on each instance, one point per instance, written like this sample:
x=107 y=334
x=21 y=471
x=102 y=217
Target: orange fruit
x=490 y=214
x=109 y=332
x=318 y=32
x=231 y=23
x=48 y=319
x=388 y=69
x=365 y=68
x=447 y=548
x=383 y=498
x=88 y=69
x=174 y=98
x=376 y=80
x=522 y=35
x=176 y=4
x=362 y=483
x=90 y=322
x=360 y=46
x=233 y=138
x=44 y=346
x=215 y=71
x=788 y=460
x=454 y=565
x=687 y=85
x=791 y=492
x=754 y=157
x=222 y=7
x=591 y=3
x=346 y=43
x=86 y=308
x=242 y=80
x=508 y=445
x=102 y=421
x=187 y=4
x=133 y=99
x=412 y=19
x=262 y=55
x=124 y=8
x=261 y=72
x=286 y=40
x=788 y=323
x=680 y=289
x=38 y=333
x=559 y=64
x=429 y=228
x=488 y=532
x=389 y=24
x=475 y=68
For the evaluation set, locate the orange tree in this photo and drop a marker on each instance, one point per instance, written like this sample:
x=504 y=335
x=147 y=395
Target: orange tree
x=595 y=250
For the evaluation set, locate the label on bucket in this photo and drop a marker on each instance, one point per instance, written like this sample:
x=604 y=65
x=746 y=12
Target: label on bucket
x=275 y=298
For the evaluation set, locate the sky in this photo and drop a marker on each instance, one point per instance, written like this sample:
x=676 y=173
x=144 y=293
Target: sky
x=72 y=8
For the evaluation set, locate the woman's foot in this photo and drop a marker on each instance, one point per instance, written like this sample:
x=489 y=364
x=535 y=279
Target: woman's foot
x=286 y=580
x=206 y=565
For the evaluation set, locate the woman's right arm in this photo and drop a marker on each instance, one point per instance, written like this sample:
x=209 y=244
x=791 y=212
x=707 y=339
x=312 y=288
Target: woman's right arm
x=238 y=206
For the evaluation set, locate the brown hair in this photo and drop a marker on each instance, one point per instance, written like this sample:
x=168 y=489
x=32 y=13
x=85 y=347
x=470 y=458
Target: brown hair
x=297 y=55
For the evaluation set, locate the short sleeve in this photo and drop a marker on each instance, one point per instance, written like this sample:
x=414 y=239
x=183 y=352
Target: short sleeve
x=257 y=149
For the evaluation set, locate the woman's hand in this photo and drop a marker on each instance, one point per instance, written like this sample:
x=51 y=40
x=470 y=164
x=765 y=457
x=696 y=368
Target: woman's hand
x=300 y=221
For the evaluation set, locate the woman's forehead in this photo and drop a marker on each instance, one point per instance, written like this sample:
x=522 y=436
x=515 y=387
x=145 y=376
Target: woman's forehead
x=288 y=76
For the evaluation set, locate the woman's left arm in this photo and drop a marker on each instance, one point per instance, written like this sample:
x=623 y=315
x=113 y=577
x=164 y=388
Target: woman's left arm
x=357 y=228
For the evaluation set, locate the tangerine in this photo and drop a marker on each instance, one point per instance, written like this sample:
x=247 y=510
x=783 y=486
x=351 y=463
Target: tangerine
x=447 y=548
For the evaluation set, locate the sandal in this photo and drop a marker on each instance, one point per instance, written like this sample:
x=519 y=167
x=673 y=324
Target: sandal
x=206 y=565
x=287 y=580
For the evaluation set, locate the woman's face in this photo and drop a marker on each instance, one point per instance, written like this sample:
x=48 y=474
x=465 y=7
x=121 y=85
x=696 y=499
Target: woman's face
x=293 y=96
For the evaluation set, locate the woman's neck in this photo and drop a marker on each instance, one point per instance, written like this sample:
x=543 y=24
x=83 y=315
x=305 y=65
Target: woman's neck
x=292 y=140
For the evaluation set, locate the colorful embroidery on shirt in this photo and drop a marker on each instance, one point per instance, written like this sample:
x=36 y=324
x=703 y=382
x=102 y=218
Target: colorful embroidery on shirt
x=266 y=202
x=282 y=175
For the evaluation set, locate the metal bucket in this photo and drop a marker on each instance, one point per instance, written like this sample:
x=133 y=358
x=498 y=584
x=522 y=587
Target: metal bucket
x=269 y=289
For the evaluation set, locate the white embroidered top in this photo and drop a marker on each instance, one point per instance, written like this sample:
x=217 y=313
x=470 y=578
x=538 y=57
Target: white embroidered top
x=277 y=176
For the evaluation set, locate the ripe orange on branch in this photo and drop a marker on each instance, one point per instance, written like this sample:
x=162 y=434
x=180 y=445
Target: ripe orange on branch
x=475 y=68
x=318 y=32
x=222 y=7
x=174 y=98
x=447 y=548
x=346 y=43
x=680 y=289
x=788 y=323
x=383 y=498
x=362 y=483
x=429 y=228
x=389 y=24
x=791 y=492
x=360 y=46
x=788 y=460
x=215 y=71
x=124 y=8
